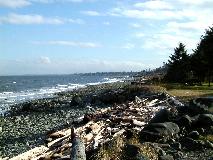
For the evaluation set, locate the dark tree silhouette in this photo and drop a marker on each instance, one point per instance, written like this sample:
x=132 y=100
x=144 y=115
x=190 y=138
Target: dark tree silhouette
x=206 y=52
x=178 y=65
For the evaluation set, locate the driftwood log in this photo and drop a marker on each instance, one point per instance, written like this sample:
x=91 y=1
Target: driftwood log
x=78 y=148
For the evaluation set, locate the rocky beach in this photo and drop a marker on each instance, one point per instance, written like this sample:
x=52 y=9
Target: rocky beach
x=119 y=120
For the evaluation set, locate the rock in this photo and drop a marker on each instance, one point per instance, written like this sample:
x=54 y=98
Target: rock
x=174 y=102
x=184 y=121
x=156 y=131
x=206 y=103
x=205 y=120
x=164 y=115
x=161 y=116
x=194 y=135
x=108 y=97
x=192 y=144
x=76 y=100
x=166 y=157
x=202 y=105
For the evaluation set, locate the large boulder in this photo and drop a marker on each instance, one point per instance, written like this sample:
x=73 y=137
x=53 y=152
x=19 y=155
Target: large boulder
x=157 y=131
x=205 y=120
x=184 y=121
x=164 y=115
x=202 y=105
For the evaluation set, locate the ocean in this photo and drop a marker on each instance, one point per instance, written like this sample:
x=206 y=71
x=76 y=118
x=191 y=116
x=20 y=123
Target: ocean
x=18 y=89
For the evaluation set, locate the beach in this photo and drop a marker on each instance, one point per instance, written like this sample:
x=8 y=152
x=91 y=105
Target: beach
x=120 y=115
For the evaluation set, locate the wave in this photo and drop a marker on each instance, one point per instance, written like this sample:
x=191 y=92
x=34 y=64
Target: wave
x=9 y=98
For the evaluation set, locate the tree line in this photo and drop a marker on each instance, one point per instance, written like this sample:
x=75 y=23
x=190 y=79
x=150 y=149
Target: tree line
x=192 y=68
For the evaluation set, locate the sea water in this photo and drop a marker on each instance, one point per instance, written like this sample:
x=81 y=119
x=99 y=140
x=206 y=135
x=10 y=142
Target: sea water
x=17 y=89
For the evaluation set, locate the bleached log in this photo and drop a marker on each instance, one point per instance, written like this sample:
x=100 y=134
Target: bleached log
x=138 y=100
x=57 y=141
x=88 y=138
x=33 y=153
x=119 y=133
x=97 y=139
x=138 y=123
x=152 y=103
x=57 y=134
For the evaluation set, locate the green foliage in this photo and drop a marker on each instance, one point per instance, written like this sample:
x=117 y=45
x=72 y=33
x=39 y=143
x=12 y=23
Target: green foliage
x=204 y=53
x=198 y=66
x=178 y=65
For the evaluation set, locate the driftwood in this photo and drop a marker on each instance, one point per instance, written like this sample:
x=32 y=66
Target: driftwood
x=78 y=148
x=95 y=129
x=33 y=153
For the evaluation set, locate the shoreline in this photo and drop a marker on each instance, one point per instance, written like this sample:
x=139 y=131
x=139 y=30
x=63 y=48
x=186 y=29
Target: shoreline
x=37 y=117
x=119 y=97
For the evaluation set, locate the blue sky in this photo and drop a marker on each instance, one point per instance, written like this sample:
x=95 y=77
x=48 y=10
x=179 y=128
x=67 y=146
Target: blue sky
x=73 y=36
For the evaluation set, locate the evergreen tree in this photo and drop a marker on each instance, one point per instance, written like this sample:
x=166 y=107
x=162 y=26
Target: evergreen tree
x=197 y=64
x=206 y=52
x=178 y=65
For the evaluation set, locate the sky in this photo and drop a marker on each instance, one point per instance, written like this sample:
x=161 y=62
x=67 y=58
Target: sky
x=79 y=36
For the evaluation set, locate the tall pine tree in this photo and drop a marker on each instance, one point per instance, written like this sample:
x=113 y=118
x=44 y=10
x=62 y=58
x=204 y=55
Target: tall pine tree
x=178 y=65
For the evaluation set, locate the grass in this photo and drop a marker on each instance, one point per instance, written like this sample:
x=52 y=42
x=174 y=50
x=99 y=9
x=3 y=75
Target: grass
x=187 y=94
x=184 y=92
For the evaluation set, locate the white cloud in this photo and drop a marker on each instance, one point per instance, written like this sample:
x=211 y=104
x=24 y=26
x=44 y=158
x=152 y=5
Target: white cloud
x=44 y=60
x=128 y=46
x=165 y=43
x=24 y=3
x=91 y=13
x=195 y=2
x=69 y=43
x=149 y=14
x=14 y=18
x=14 y=3
x=195 y=25
x=29 y=19
x=155 y=4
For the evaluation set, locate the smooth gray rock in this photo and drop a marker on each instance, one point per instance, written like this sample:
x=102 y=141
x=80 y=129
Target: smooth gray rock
x=184 y=121
x=156 y=131
x=205 y=120
x=161 y=116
